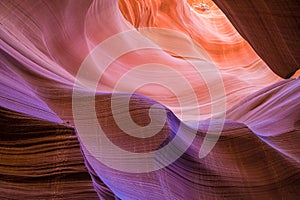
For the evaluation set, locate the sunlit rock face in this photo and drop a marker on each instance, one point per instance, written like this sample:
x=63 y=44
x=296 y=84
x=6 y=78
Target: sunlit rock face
x=272 y=29
x=153 y=99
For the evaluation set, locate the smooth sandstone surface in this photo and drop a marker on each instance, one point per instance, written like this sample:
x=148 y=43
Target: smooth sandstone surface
x=272 y=28
x=184 y=57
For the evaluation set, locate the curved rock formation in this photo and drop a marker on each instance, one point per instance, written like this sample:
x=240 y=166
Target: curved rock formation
x=148 y=100
x=272 y=28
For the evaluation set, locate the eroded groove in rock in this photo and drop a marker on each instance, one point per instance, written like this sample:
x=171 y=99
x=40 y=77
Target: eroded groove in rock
x=40 y=160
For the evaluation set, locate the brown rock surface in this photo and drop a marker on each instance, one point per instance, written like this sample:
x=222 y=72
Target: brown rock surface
x=272 y=28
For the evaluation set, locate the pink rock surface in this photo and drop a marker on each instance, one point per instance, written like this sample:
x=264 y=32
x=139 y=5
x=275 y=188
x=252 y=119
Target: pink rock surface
x=70 y=67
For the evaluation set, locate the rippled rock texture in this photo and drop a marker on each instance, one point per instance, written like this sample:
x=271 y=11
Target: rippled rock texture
x=153 y=99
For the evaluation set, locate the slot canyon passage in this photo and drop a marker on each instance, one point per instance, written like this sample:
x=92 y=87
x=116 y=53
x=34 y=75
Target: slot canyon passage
x=150 y=99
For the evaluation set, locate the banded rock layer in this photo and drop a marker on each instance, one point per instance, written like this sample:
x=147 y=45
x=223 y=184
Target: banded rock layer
x=136 y=62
